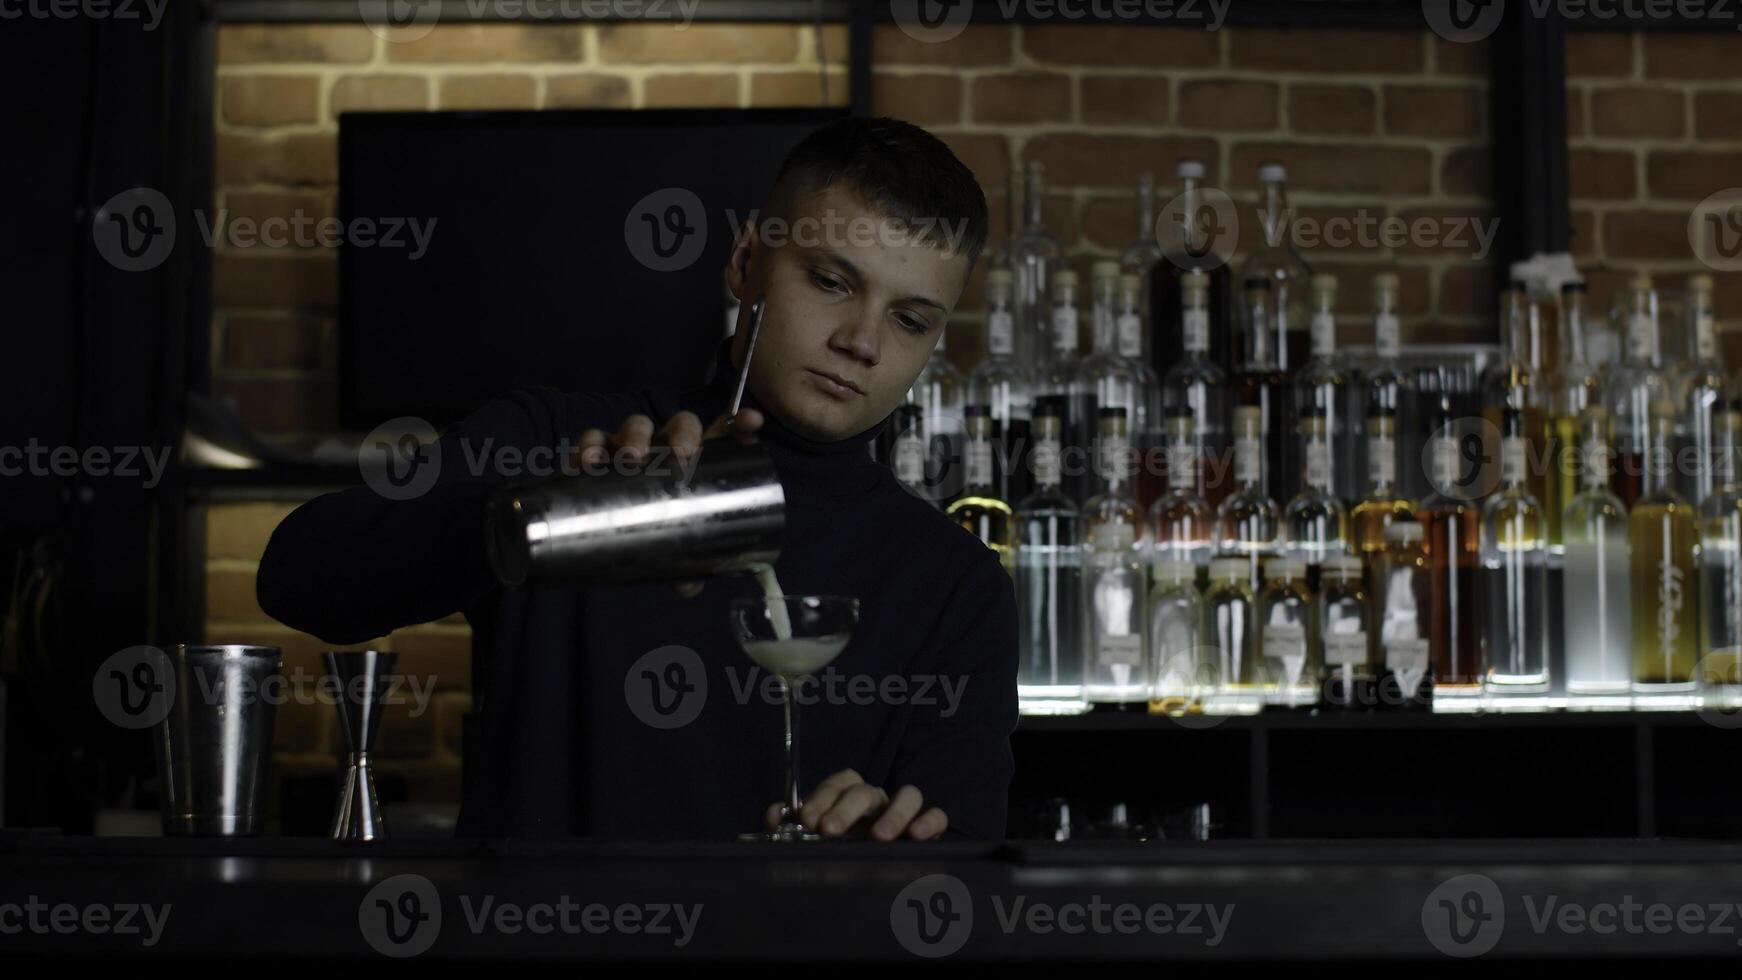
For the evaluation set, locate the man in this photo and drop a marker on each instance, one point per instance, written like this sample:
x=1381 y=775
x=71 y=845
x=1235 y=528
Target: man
x=914 y=740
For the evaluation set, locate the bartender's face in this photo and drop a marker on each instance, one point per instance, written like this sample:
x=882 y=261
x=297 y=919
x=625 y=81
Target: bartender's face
x=854 y=306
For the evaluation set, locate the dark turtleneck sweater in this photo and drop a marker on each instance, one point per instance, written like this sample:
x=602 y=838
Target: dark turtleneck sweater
x=925 y=693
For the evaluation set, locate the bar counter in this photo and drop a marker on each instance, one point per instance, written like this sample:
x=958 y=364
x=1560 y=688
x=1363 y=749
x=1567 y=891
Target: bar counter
x=299 y=900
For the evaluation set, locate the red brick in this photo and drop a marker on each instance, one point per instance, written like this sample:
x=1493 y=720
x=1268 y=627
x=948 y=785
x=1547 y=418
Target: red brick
x=277 y=343
x=1421 y=110
x=283 y=405
x=1455 y=58
x=1638 y=113
x=489 y=92
x=1124 y=99
x=1342 y=169
x=1677 y=55
x=453 y=43
x=1601 y=175
x=1021 y=97
x=1584 y=233
x=1074 y=160
x=269 y=100
x=1467 y=172
x=1575 y=112
x=1342 y=52
x=280 y=43
x=1344 y=230
x=1599 y=54
x=979 y=45
x=1334 y=109
x=1691 y=174
x=1449 y=232
x=1718 y=115
x=925 y=99
x=1111 y=222
x=367 y=93
x=689 y=90
x=796 y=88
x=296 y=216
x=1228 y=104
x=588 y=91
x=667 y=44
x=1468 y=290
x=309 y=282
x=987 y=155
x=1635 y=235
x=1117 y=46
x=297 y=160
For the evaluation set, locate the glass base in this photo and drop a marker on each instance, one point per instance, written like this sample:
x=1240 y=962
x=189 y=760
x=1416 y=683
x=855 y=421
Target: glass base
x=1457 y=699
x=784 y=834
x=1062 y=705
x=1597 y=698
x=1665 y=697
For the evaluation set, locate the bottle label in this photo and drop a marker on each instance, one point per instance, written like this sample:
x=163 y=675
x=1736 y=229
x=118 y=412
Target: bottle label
x=1246 y=460
x=1112 y=650
x=1115 y=457
x=1512 y=460
x=1386 y=340
x=1346 y=649
x=1705 y=336
x=1182 y=467
x=1671 y=589
x=910 y=460
x=979 y=464
x=1113 y=536
x=1046 y=462
x=1064 y=329
x=1445 y=463
x=1000 y=333
x=1406 y=658
x=1639 y=336
x=1285 y=643
x=1195 y=330
x=1318 y=465
x=1381 y=460
x=1324 y=330
x=1130 y=335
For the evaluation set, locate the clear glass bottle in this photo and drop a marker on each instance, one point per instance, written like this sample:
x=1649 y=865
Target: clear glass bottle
x=1035 y=255
x=1343 y=610
x=1383 y=504
x=1053 y=629
x=1196 y=386
x=1452 y=536
x=980 y=510
x=1001 y=384
x=1182 y=525
x=1512 y=385
x=1230 y=627
x=908 y=457
x=1142 y=256
x=1325 y=386
x=1720 y=674
x=1637 y=385
x=1288 y=636
x=1663 y=543
x=1279 y=262
x=1403 y=614
x=1131 y=324
x=1390 y=389
x=1515 y=579
x=1595 y=603
x=1062 y=390
x=1193 y=250
x=1000 y=259
x=1111 y=379
x=1248 y=523
x=1117 y=580
x=1261 y=383
x=1184 y=673
x=1699 y=389
x=1316 y=525
x=938 y=392
x=1580 y=387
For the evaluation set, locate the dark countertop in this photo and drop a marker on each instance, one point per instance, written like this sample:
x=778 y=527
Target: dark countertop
x=306 y=899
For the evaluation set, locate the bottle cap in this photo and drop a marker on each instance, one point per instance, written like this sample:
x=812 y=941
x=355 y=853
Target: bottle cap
x=1190 y=170
x=1064 y=277
x=1404 y=532
x=1174 y=570
x=1324 y=280
x=1104 y=269
x=1277 y=569
x=1342 y=566
x=1226 y=568
x=1000 y=277
x=1272 y=173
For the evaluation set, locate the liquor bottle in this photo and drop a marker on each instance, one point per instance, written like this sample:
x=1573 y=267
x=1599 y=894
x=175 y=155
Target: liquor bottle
x=1383 y=505
x=1325 y=386
x=1637 y=385
x=1389 y=388
x=1000 y=383
x=980 y=510
x=1404 y=613
x=1196 y=387
x=1316 y=525
x=1278 y=262
x=1117 y=581
x=1580 y=388
x=1699 y=388
x=1142 y=257
x=908 y=453
x=1248 y=522
x=1000 y=259
x=938 y=392
x=1230 y=627
x=1131 y=325
x=1052 y=631
x=1194 y=248
x=1288 y=636
x=1721 y=572
x=1035 y=255
x=1183 y=674
x=1662 y=540
x=1595 y=603
x=1451 y=524
x=1512 y=385
x=1111 y=379
x=1262 y=384
x=1514 y=577
x=1182 y=525
x=1343 y=611
x=1061 y=389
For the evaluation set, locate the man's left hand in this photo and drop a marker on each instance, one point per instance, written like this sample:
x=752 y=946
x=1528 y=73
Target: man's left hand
x=844 y=804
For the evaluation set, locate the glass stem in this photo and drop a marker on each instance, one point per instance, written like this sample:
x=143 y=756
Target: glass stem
x=791 y=753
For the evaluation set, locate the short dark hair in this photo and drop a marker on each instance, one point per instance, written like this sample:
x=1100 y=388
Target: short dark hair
x=896 y=168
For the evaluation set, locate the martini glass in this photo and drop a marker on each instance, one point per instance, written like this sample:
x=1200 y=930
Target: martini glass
x=792 y=637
